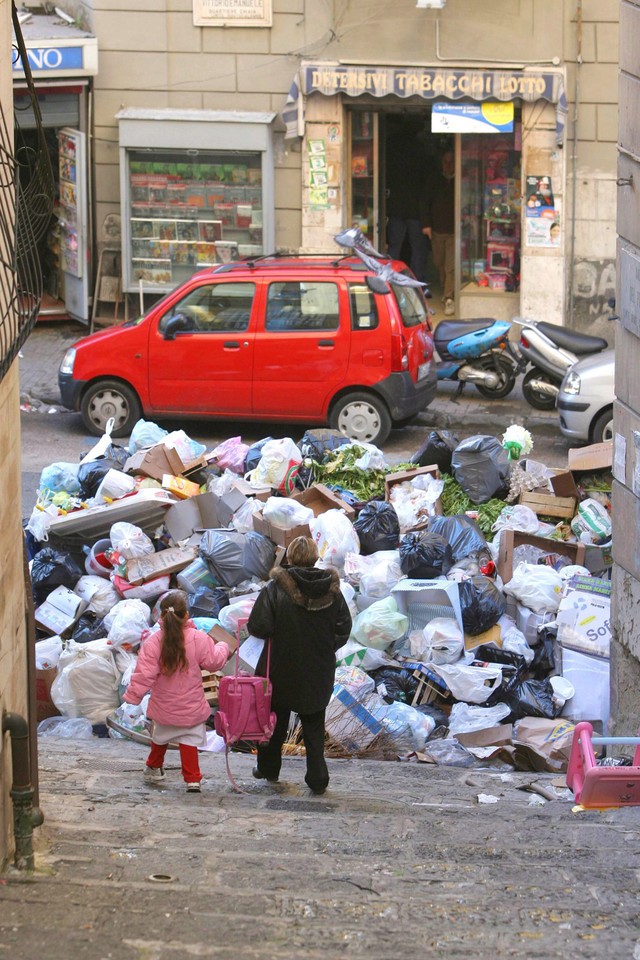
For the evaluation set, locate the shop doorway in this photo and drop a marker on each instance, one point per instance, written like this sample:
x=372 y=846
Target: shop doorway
x=395 y=165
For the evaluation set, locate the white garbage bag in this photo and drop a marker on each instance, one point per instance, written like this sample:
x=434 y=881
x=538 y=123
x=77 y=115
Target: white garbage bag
x=380 y=625
x=537 y=586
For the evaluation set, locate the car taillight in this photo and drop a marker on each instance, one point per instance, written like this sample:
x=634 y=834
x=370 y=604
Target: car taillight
x=524 y=342
x=399 y=352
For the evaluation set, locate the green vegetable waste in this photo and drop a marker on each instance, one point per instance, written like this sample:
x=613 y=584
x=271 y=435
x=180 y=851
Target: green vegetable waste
x=454 y=500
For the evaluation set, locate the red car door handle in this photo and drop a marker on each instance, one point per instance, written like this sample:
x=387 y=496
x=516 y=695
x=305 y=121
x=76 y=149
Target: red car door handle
x=231 y=345
x=326 y=343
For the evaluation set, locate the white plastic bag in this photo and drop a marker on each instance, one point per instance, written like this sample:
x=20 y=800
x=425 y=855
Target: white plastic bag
x=285 y=512
x=514 y=640
x=235 y=611
x=114 y=484
x=537 y=586
x=354 y=654
x=443 y=641
x=100 y=594
x=186 y=448
x=130 y=541
x=471 y=684
x=40 y=521
x=278 y=463
x=380 y=625
x=517 y=517
x=87 y=686
x=592 y=522
x=381 y=576
x=127 y=622
x=335 y=537
x=349 y=594
x=100 y=448
x=48 y=652
x=465 y=718
x=242 y=520
x=372 y=457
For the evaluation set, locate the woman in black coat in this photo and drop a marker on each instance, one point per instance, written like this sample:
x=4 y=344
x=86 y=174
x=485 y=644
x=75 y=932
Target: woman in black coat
x=302 y=611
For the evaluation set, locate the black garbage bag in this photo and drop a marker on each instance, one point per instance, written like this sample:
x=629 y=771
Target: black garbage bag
x=89 y=627
x=425 y=555
x=254 y=453
x=118 y=454
x=463 y=535
x=481 y=466
x=91 y=474
x=53 y=568
x=482 y=604
x=316 y=444
x=393 y=684
x=223 y=552
x=259 y=554
x=544 y=661
x=530 y=698
x=378 y=527
x=205 y=602
x=437 y=448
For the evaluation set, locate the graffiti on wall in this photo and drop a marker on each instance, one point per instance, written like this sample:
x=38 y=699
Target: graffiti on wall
x=594 y=283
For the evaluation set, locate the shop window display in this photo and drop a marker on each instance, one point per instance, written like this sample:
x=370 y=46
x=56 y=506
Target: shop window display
x=188 y=212
x=490 y=211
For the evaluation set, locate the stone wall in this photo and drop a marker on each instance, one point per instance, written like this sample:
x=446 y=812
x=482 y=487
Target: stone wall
x=625 y=653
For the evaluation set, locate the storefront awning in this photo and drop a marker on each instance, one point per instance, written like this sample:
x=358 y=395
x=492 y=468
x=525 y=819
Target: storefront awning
x=428 y=83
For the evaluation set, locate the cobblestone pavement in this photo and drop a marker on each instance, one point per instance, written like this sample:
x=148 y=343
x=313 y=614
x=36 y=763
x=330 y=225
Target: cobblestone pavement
x=395 y=860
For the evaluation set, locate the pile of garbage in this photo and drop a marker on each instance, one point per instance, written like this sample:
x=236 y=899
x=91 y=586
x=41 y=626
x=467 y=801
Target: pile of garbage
x=477 y=578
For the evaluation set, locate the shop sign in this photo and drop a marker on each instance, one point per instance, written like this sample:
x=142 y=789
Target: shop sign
x=428 y=83
x=472 y=117
x=60 y=60
x=232 y=13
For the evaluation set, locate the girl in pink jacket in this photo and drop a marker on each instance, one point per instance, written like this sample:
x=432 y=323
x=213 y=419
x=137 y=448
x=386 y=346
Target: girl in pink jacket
x=169 y=664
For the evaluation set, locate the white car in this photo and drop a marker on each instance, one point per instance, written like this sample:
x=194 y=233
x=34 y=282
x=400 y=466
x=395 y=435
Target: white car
x=585 y=401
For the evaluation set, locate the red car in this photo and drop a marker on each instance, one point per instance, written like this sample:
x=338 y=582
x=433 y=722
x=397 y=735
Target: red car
x=311 y=340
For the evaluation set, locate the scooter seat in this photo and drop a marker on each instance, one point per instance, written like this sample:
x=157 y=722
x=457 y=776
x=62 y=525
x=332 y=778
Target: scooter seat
x=448 y=330
x=578 y=343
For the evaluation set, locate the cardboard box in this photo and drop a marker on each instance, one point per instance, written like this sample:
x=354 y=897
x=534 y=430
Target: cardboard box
x=60 y=611
x=281 y=536
x=45 y=706
x=510 y=539
x=320 y=498
x=542 y=744
x=422 y=600
x=402 y=476
x=159 y=564
x=563 y=484
x=584 y=616
x=154 y=462
x=260 y=493
x=351 y=721
x=219 y=634
x=207 y=511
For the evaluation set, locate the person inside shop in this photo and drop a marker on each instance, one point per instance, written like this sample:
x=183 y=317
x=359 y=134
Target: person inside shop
x=404 y=174
x=170 y=664
x=302 y=612
x=438 y=224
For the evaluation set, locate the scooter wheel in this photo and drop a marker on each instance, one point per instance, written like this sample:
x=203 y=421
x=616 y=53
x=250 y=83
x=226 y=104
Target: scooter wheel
x=536 y=399
x=507 y=376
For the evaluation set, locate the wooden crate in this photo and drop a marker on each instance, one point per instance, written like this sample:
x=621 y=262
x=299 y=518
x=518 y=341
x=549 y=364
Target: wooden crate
x=548 y=505
x=211 y=683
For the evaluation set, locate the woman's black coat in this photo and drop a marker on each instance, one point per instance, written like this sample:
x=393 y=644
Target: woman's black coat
x=303 y=612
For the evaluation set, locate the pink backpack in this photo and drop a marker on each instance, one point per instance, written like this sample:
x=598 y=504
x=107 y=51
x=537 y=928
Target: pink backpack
x=244 y=708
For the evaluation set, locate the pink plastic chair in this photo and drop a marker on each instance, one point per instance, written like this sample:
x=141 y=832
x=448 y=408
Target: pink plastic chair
x=595 y=786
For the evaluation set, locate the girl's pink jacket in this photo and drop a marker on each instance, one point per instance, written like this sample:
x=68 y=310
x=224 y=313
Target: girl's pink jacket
x=177 y=700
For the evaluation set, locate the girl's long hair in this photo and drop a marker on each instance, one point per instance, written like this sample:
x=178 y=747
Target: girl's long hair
x=173 y=615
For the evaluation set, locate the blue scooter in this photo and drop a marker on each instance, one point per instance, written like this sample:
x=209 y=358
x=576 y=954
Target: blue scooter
x=478 y=352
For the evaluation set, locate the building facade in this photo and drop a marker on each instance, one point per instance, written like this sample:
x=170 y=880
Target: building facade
x=278 y=122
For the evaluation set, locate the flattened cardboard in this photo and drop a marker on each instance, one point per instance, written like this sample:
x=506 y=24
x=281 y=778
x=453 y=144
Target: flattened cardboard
x=260 y=493
x=563 y=484
x=320 y=498
x=497 y=736
x=159 y=564
x=510 y=539
x=597 y=456
x=207 y=511
x=219 y=634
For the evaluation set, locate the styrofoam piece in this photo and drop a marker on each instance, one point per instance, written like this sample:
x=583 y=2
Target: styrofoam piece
x=146 y=509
